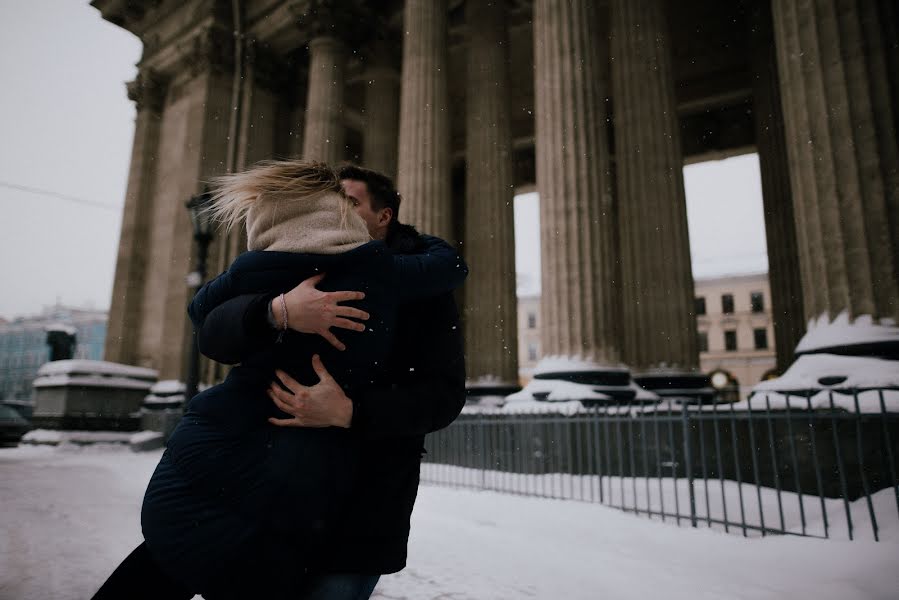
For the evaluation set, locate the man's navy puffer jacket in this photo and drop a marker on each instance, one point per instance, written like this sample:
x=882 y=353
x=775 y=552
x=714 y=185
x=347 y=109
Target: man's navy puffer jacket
x=230 y=482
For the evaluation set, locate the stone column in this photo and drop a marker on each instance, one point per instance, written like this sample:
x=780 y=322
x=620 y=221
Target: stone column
x=125 y=311
x=424 y=144
x=193 y=146
x=578 y=302
x=325 y=132
x=382 y=113
x=780 y=224
x=490 y=301
x=657 y=280
x=837 y=64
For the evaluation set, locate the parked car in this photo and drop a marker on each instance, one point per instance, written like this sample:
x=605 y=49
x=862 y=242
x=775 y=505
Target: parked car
x=12 y=426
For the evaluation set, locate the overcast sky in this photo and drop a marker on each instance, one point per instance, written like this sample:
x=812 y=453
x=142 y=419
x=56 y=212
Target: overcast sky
x=66 y=126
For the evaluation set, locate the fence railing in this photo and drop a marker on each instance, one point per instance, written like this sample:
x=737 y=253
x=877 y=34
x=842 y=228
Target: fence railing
x=819 y=465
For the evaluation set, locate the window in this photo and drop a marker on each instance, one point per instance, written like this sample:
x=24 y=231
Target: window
x=761 y=338
x=703 y=340
x=532 y=320
x=730 y=341
x=757 y=301
x=700 y=305
x=532 y=351
x=727 y=304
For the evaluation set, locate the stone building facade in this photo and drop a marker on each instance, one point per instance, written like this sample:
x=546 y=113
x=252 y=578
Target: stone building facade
x=597 y=103
x=736 y=329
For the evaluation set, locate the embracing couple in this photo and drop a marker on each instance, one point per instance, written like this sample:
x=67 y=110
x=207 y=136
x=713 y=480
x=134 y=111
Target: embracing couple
x=296 y=476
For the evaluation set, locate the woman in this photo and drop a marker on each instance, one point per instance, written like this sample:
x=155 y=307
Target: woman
x=235 y=501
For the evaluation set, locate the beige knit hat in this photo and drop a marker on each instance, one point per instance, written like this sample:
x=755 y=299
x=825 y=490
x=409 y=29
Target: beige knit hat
x=318 y=224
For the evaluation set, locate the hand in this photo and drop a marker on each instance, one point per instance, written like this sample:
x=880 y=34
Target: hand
x=312 y=311
x=321 y=405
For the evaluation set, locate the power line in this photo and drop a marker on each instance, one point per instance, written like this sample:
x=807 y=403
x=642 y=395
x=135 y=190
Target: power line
x=52 y=194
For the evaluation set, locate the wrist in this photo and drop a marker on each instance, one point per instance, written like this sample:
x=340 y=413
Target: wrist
x=270 y=316
x=345 y=413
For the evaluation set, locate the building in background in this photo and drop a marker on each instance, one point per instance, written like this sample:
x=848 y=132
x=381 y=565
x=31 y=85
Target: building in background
x=735 y=330
x=528 y=336
x=23 y=345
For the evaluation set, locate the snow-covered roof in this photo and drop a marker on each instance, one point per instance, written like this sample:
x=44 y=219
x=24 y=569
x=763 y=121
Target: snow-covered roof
x=77 y=379
x=96 y=367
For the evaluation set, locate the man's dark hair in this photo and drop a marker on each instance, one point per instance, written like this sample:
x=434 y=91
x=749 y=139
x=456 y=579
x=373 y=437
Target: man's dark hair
x=380 y=187
x=400 y=237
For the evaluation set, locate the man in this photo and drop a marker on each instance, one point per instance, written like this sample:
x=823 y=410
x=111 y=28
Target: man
x=426 y=393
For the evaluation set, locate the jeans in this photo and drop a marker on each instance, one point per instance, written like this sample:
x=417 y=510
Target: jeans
x=339 y=586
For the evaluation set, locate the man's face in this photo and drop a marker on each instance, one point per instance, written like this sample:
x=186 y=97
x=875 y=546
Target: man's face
x=375 y=220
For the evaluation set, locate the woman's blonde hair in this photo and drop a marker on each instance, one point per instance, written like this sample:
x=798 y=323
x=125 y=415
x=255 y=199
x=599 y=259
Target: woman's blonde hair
x=233 y=195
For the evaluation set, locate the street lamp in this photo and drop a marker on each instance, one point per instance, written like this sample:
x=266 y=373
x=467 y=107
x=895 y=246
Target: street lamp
x=202 y=221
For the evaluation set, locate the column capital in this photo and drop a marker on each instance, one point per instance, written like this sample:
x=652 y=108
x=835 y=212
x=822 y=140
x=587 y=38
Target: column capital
x=210 y=49
x=147 y=91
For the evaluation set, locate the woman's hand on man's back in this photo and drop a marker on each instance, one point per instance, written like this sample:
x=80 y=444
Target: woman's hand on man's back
x=310 y=310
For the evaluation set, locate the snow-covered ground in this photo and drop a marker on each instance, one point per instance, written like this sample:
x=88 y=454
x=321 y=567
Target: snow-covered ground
x=69 y=514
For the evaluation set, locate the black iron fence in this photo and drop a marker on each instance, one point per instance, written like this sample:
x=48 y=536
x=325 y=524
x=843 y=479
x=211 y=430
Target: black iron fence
x=821 y=466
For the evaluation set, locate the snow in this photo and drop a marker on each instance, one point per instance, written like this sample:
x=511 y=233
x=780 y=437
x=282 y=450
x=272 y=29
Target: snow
x=89 y=381
x=61 y=327
x=94 y=373
x=823 y=333
x=56 y=437
x=868 y=401
x=564 y=396
x=559 y=391
x=96 y=367
x=637 y=495
x=70 y=514
x=167 y=387
x=154 y=401
x=854 y=372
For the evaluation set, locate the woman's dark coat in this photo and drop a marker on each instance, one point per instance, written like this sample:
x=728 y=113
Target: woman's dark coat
x=423 y=391
x=229 y=482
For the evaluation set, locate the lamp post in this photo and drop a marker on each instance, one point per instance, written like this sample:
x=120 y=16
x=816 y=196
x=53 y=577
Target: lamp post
x=202 y=222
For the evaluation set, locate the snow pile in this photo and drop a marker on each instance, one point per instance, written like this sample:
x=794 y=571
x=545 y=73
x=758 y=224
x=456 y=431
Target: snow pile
x=554 y=390
x=58 y=437
x=538 y=393
x=868 y=401
x=826 y=376
x=823 y=333
x=165 y=393
x=168 y=387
